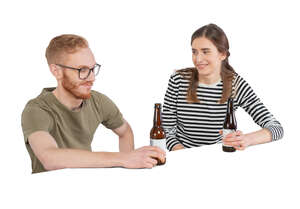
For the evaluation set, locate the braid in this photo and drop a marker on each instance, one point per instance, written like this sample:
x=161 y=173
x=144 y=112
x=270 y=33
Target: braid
x=227 y=74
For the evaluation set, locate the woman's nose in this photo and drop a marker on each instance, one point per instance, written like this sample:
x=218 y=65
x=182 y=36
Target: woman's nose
x=199 y=58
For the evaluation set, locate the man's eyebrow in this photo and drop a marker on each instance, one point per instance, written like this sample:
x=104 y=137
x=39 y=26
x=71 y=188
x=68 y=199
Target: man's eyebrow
x=85 y=66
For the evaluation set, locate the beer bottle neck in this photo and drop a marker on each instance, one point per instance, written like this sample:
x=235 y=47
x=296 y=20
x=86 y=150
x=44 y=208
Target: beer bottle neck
x=157 y=117
x=229 y=105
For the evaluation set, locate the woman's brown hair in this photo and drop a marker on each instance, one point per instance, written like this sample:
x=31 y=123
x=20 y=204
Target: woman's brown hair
x=217 y=36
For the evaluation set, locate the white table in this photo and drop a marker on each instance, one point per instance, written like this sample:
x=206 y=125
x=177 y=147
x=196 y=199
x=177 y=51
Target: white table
x=262 y=176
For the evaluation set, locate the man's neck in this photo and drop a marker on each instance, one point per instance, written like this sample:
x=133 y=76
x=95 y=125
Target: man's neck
x=67 y=99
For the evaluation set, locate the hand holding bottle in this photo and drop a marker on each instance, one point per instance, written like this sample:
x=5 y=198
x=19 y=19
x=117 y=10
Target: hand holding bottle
x=236 y=139
x=144 y=157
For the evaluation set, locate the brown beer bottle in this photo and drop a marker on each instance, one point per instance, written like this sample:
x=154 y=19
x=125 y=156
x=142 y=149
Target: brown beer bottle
x=157 y=133
x=229 y=124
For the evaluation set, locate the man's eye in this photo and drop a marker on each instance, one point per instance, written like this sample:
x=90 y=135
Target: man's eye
x=84 y=69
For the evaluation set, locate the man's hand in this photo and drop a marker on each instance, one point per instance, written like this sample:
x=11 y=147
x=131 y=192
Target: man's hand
x=177 y=147
x=143 y=157
x=236 y=139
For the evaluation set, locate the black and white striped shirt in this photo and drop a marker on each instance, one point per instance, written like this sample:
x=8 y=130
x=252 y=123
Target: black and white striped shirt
x=196 y=124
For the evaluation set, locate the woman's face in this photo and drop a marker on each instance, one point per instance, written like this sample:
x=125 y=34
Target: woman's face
x=206 y=57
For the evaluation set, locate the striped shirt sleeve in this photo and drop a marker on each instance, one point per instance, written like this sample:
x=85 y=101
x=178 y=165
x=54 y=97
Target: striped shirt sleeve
x=249 y=101
x=169 y=113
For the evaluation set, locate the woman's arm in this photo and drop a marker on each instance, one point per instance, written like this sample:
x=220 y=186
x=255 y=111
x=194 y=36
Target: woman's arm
x=249 y=101
x=169 y=113
x=271 y=128
x=240 y=141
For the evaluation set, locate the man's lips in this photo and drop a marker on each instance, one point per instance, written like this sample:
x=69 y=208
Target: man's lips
x=87 y=85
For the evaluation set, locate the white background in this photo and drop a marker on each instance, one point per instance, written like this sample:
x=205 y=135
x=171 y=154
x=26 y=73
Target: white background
x=139 y=44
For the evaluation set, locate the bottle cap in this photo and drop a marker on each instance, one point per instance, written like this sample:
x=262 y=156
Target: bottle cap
x=157 y=105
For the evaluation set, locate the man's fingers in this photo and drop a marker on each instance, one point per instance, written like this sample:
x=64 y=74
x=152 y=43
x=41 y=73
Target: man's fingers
x=149 y=165
x=152 y=161
x=162 y=152
x=146 y=147
x=155 y=149
x=155 y=154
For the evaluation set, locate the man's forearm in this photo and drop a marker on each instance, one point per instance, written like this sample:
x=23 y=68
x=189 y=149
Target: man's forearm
x=259 y=137
x=75 y=158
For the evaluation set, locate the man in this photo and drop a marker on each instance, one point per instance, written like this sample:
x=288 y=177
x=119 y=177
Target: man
x=59 y=124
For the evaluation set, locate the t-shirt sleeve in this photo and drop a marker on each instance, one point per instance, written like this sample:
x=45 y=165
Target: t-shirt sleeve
x=35 y=119
x=252 y=104
x=112 y=117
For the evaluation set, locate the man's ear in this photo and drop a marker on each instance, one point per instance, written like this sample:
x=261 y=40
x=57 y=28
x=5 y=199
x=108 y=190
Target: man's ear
x=56 y=71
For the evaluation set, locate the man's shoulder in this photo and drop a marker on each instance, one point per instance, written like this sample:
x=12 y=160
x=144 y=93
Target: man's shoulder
x=102 y=101
x=99 y=97
x=42 y=100
x=96 y=94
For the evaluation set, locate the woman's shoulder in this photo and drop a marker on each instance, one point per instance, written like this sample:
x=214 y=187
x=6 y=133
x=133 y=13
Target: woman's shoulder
x=239 y=80
x=240 y=84
x=181 y=74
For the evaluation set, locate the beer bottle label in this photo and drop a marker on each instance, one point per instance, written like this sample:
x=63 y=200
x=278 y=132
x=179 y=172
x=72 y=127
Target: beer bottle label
x=161 y=143
x=225 y=133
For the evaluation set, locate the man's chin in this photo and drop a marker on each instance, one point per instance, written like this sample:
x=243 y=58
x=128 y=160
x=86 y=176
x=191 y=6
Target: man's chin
x=84 y=96
x=80 y=95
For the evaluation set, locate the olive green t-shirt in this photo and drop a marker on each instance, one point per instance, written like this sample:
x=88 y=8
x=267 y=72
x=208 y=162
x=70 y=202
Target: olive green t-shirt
x=70 y=129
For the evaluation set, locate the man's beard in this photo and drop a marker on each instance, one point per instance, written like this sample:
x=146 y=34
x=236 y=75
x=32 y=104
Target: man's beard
x=73 y=88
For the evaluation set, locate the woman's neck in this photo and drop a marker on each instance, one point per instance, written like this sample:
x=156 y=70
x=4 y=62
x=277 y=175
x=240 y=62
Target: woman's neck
x=210 y=79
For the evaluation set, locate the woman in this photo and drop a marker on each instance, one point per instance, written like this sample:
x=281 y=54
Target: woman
x=195 y=102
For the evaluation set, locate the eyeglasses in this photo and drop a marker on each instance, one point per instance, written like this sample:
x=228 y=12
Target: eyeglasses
x=84 y=72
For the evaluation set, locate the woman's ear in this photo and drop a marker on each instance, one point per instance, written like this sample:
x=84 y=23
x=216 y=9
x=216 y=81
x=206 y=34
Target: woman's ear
x=223 y=56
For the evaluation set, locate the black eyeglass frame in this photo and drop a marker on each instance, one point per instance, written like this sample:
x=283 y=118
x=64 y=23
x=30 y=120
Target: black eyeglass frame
x=80 y=69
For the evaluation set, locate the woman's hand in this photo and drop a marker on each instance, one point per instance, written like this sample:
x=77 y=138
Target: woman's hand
x=177 y=147
x=236 y=139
